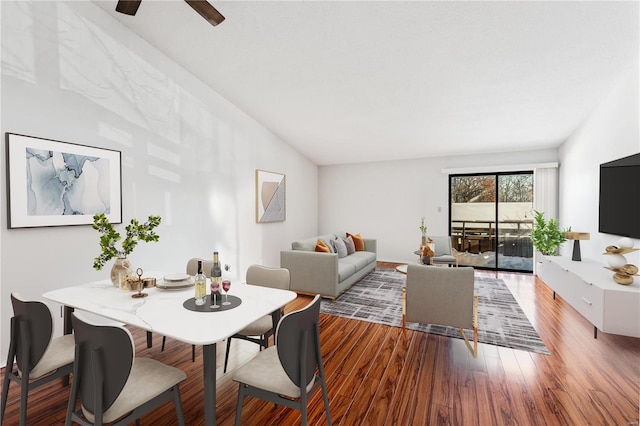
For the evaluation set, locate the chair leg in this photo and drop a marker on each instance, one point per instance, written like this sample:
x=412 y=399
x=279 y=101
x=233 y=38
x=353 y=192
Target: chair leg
x=404 y=309
x=5 y=390
x=193 y=353
x=226 y=355
x=178 y=403
x=24 y=392
x=239 y=404
x=325 y=396
x=164 y=339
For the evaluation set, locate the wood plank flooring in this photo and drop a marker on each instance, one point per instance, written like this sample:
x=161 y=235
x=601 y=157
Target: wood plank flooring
x=378 y=376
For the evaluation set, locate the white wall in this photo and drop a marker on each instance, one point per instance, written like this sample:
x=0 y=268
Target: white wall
x=70 y=72
x=386 y=200
x=610 y=132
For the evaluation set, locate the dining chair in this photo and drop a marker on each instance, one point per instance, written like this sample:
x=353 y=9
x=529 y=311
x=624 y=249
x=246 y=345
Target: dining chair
x=192 y=269
x=260 y=330
x=442 y=296
x=112 y=384
x=289 y=372
x=39 y=358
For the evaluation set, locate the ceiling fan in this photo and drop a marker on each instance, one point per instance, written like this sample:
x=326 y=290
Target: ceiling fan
x=208 y=12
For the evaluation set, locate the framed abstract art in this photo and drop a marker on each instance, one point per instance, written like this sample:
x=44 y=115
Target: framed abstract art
x=271 y=205
x=54 y=183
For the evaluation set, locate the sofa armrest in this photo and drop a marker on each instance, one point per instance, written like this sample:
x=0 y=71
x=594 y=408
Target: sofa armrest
x=371 y=244
x=311 y=272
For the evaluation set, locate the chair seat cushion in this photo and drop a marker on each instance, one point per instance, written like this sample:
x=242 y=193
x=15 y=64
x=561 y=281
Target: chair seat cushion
x=59 y=353
x=258 y=327
x=265 y=371
x=148 y=379
x=445 y=258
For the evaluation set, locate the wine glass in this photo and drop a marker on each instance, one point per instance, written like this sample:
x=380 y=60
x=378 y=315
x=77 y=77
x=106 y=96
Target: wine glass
x=214 y=289
x=226 y=285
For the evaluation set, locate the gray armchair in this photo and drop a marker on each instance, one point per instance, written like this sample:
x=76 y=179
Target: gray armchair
x=442 y=296
x=444 y=253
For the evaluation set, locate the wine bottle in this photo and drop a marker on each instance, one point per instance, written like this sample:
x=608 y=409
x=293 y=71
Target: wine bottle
x=200 y=286
x=216 y=269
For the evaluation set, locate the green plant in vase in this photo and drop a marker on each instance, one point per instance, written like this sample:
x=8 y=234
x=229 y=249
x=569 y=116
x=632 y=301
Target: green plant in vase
x=546 y=235
x=134 y=233
x=423 y=231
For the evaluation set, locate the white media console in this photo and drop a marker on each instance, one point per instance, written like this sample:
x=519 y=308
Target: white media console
x=589 y=288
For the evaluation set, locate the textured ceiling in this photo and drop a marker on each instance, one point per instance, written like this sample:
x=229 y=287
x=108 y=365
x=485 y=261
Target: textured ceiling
x=347 y=82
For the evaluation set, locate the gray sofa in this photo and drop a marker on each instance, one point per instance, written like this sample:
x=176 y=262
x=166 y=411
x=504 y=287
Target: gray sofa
x=325 y=273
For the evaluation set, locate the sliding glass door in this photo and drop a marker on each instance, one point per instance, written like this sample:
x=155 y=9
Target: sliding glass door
x=491 y=219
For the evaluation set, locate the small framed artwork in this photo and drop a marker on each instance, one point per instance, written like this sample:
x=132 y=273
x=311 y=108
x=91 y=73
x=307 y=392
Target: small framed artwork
x=54 y=183
x=271 y=205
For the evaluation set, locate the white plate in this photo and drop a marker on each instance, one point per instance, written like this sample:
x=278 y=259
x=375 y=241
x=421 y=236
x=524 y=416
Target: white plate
x=177 y=277
x=175 y=285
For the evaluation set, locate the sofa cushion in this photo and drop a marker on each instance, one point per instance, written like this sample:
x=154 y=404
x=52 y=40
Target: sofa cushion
x=339 y=247
x=358 y=262
x=345 y=270
x=358 y=241
x=351 y=247
x=322 y=247
x=368 y=256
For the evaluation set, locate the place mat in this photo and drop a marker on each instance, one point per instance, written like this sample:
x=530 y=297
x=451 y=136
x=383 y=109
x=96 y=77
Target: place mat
x=190 y=304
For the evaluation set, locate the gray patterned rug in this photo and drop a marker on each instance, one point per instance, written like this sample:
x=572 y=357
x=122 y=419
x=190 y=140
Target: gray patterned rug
x=378 y=298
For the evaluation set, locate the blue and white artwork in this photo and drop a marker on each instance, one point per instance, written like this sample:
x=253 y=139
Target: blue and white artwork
x=60 y=183
x=54 y=183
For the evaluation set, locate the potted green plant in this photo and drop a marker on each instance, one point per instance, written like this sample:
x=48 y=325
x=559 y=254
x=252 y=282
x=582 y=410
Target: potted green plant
x=547 y=235
x=134 y=232
x=423 y=230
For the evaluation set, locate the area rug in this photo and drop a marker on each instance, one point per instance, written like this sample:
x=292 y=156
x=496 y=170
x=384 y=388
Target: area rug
x=378 y=298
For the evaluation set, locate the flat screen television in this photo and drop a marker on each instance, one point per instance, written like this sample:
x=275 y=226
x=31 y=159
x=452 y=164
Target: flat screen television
x=620 y=197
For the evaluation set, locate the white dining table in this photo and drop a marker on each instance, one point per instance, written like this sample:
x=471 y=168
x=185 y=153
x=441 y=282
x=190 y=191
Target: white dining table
x=162 y=312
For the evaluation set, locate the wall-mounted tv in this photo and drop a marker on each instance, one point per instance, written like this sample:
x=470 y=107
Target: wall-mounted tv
x=620 y=197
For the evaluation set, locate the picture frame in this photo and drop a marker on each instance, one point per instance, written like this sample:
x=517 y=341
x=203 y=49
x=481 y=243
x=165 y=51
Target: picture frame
x=271 y=197
x=55 y=183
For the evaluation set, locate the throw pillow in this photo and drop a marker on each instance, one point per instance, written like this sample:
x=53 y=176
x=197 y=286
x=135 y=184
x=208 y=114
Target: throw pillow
x=358 y=241
x=322 y=247
x=351 y=247
x=327 y=242
x=340 y=247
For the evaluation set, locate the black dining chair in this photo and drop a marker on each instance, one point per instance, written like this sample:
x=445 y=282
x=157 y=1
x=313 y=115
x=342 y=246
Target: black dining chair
x=39 y=357
x=261 y=329
x=112 y=384
x=291 y=371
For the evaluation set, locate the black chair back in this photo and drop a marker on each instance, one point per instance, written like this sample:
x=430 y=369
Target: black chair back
x=298 y=343
x=104 y=357
x=33 y=322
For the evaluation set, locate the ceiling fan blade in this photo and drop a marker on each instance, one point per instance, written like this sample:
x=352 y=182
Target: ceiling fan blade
x=128 y=7
x=207 y=11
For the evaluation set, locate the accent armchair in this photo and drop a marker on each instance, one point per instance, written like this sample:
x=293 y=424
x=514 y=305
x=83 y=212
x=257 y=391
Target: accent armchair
x=442 y=296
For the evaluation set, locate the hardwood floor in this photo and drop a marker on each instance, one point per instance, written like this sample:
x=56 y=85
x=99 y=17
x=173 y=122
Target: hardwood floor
x=377 y=376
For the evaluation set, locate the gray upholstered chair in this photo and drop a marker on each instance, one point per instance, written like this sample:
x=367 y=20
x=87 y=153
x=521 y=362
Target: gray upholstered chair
x=260 y=330
x=112 y=384
x=192 y=269
x=192 y=266
x=291 y=371
x=442 y=296
x=39 y=358
x=444 y=253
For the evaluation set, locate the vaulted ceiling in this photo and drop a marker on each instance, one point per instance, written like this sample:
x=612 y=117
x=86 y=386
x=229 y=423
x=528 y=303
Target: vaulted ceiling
x=357 y=81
